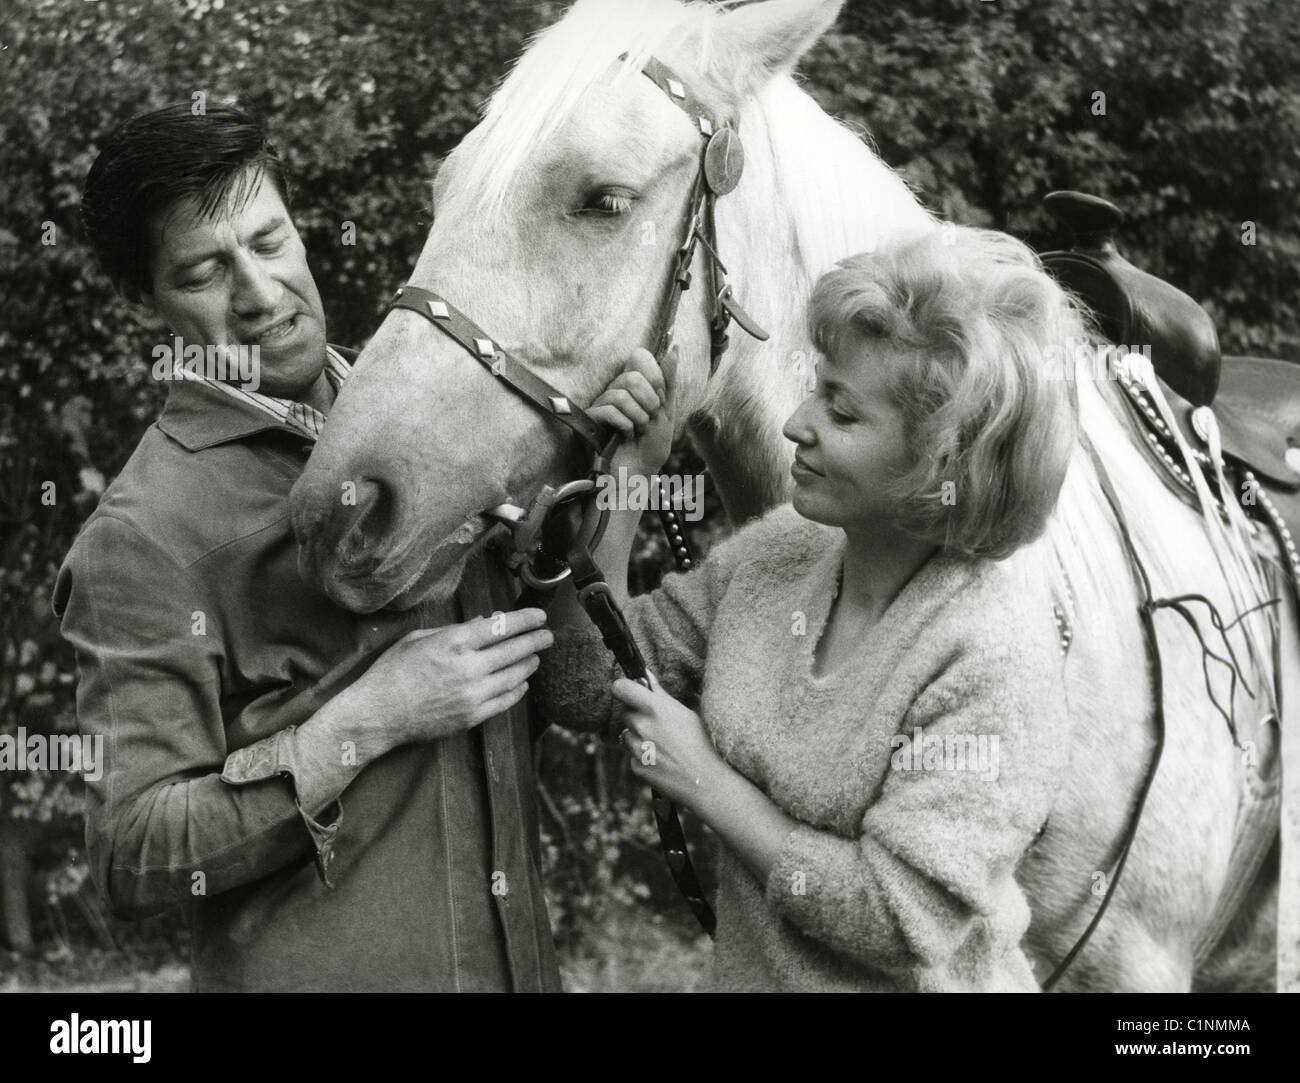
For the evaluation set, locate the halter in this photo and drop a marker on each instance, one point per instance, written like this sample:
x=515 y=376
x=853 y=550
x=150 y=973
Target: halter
x=543 y=556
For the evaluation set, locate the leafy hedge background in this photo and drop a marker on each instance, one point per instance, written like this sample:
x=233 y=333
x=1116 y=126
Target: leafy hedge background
x=984 y=105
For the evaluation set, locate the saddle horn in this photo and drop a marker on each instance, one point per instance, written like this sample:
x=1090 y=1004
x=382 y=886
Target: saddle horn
x=1131 y=307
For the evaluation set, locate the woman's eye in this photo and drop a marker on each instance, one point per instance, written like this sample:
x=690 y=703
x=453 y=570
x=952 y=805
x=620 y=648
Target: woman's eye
x=270 y=248
x=608 y=203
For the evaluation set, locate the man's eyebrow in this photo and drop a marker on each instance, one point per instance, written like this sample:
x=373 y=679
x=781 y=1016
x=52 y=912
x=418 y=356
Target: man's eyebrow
x=270 y=227
x=200 y=257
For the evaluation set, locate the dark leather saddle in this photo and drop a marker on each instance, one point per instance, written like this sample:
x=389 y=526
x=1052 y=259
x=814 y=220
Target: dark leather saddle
x=1256 y=401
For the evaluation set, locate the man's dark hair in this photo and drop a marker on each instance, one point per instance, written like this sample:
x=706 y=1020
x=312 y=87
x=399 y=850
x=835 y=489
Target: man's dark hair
x=156 y=159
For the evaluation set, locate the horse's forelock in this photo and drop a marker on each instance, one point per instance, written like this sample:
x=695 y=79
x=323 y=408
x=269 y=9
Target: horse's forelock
x=561 y=64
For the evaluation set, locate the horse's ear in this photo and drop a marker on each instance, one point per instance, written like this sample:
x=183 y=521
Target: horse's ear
x=768 y=39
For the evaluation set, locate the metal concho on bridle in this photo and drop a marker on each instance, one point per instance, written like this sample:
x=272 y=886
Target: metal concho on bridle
x=722 y=161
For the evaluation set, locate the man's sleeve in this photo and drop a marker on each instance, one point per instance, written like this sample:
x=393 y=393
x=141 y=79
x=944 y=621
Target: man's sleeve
x=162 y=823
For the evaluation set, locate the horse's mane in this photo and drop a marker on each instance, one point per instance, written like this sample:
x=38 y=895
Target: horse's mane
x=841 y=197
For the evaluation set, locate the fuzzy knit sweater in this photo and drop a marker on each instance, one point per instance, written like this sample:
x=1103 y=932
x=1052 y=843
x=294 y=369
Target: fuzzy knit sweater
x=918 y=773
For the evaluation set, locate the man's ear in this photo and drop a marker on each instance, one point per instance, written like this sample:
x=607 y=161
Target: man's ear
x=763 y=40
x=143 y=308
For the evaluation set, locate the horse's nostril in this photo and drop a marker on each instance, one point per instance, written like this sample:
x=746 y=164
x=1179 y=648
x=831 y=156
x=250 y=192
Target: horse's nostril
x=368 y=515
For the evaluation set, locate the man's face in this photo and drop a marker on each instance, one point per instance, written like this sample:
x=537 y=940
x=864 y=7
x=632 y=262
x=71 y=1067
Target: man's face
x=241 y=280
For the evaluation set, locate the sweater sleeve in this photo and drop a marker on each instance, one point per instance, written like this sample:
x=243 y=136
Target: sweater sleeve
x=972 y=776
x=671 y=626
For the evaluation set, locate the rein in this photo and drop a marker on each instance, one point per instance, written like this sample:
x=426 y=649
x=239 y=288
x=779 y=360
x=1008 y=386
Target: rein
x=546 y=548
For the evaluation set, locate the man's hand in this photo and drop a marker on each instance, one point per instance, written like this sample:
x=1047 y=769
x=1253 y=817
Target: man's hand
x=438 y=681
x=633 y=403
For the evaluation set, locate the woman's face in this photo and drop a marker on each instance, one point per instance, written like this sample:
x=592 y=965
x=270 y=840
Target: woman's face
x=849 y=440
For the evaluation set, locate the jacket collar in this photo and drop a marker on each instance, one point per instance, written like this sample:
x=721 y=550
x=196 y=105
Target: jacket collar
x=198 y=415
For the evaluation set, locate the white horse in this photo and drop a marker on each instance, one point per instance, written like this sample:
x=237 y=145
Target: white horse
x=557 y=218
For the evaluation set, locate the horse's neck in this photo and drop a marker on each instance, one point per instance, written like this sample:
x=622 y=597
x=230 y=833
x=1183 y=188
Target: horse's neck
x=738 y=427
x=749 y=484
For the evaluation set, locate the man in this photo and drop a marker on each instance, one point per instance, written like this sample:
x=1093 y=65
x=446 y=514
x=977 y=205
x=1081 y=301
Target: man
x=328 y=831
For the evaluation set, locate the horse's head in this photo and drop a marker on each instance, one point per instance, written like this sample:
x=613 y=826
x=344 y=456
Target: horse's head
x=557 y=221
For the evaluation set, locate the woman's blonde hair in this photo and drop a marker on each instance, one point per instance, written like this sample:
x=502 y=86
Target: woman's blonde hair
x=979 y=333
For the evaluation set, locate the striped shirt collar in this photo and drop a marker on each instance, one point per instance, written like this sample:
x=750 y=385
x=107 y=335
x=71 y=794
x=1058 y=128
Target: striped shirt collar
x=201 y=413
x=304 y=419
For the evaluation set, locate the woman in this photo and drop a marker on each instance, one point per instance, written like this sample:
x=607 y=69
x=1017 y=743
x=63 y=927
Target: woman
x=881 y=721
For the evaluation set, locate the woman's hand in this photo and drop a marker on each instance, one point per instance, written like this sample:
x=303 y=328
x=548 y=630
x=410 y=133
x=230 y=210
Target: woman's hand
x=669 y=747
x=634 y=404
x=671 y=751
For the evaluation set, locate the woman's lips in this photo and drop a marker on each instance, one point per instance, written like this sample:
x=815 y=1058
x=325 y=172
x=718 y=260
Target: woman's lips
x=800 y=469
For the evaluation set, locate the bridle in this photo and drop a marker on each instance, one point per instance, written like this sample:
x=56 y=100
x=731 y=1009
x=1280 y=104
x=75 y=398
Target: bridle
x=547 y=548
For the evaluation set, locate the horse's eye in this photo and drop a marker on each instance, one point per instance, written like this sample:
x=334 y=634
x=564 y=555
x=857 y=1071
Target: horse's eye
x=608 y=202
